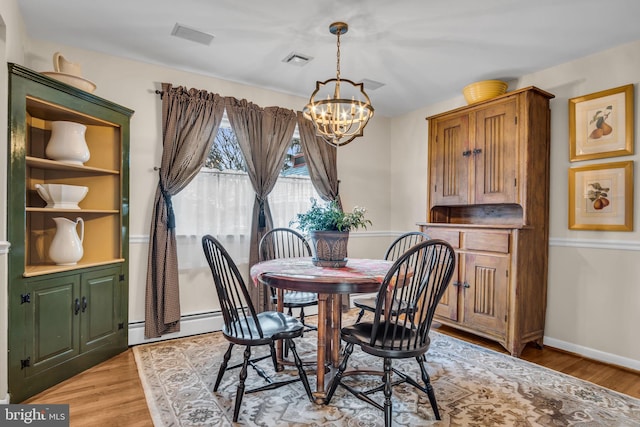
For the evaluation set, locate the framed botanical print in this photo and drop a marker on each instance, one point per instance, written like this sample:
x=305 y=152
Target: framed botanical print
x=601 y=197
x=601 y=124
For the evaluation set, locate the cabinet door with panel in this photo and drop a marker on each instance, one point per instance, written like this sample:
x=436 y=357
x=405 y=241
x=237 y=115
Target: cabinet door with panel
x=450 y=152
x=51 y=323
x=485 y=288
x=100 y=307
x=494 y=154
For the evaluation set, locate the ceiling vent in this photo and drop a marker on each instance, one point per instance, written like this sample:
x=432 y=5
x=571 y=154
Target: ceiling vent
x=371 y=84
x=192 y=34
x=297 y=59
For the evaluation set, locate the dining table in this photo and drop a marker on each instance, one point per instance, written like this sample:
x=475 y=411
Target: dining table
x=300 y=274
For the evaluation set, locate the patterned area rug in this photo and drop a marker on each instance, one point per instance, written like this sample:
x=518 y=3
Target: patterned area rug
x=474 y=387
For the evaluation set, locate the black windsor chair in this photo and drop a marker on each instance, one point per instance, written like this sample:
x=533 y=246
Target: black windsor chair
x=419 y=278
x=243 y=326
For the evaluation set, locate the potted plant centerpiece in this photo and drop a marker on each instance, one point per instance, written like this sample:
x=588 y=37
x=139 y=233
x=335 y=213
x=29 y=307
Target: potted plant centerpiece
x=328 y=227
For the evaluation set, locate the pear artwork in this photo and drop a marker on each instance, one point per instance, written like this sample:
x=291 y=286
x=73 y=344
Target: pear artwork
x=598 y=196
x=602 y=127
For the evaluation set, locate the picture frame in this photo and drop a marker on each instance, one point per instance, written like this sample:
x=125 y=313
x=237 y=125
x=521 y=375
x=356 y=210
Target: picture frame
x=601 y=124
x=601 y=197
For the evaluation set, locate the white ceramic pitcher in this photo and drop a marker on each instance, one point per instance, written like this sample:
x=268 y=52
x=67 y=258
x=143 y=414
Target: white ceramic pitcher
x=66 y=247
x=67 y=143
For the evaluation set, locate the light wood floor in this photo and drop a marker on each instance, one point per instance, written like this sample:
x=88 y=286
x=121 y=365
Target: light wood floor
x=110 y=394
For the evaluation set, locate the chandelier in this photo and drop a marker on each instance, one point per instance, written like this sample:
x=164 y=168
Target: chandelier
x=342 y=115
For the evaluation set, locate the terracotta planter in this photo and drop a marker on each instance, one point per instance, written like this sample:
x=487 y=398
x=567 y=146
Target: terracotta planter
x=330 y=248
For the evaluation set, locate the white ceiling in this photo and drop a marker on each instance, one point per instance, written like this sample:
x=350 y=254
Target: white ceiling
x=424 y=51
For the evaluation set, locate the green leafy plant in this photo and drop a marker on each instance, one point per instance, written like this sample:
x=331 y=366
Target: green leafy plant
x=330 y=217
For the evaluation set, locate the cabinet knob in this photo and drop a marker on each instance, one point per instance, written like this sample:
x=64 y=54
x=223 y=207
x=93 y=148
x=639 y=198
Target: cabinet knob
x=84 y=304
x=76 y=306
x=466 y=153
x=466 y=284
x=477 y=150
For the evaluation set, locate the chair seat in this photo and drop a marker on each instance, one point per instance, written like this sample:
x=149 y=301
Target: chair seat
x=383 y=346
x=369 y=303
x=274 y=326
x=298 y=299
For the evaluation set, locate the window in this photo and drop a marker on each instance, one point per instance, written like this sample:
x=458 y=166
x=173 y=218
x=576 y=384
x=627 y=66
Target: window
x=219 y=200
x=293 y=190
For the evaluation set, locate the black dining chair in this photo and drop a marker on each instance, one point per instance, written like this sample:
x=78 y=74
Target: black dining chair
x=419 y=278
x=288 y=243
x=395 y=249
x=243 y=326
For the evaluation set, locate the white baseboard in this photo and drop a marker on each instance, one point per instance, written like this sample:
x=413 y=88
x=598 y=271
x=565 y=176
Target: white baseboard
x=6 y=400
x=189 y=325
x=594 y=354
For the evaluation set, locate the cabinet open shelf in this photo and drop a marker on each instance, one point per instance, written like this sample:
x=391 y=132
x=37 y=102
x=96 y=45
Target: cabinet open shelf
x=73 y=211
x=37 y=162
x=40 y=270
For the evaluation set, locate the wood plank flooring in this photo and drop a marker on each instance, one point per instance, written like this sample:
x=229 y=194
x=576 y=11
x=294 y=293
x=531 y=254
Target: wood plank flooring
x=110 y=394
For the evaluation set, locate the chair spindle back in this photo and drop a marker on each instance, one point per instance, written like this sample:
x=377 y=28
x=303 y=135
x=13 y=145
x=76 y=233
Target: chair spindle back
x=237 y=309
x=417 y=280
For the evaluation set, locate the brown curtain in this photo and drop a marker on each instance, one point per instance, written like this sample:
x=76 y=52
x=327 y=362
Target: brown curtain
x=264 y=134
x=190 y=121
x=321 y=160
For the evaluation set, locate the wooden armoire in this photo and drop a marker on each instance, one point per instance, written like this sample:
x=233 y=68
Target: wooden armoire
x=488 y=195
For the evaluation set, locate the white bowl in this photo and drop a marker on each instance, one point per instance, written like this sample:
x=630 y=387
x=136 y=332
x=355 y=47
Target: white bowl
x=70 y=79
x=62 y=196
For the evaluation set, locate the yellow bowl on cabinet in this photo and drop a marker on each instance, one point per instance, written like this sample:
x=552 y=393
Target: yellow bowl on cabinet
x=483 y=90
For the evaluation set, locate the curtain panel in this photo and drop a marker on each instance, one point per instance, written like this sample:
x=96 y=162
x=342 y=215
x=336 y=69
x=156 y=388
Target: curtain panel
x=264 y=135
x=190 y=121
x=322 y=160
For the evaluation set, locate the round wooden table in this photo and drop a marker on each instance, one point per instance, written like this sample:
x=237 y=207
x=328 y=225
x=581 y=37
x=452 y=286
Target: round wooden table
x=299 y=274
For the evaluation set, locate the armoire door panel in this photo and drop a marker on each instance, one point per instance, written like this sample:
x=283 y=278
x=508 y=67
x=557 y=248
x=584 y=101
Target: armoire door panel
x=494 y=154
x=449 y=175
x=486 y=292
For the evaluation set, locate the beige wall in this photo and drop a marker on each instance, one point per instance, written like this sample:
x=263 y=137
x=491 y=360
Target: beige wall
x=594 y=276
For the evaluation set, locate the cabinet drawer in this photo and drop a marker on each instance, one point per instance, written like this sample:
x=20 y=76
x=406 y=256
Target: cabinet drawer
x=485 y=241
x=450 y=236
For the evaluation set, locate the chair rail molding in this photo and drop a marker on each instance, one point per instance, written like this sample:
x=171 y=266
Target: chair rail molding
x=624 y=245
x=4 y=246
x=144 y=238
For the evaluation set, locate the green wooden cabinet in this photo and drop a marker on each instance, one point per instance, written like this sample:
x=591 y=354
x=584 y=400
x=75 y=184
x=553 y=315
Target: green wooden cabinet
x=64 y=318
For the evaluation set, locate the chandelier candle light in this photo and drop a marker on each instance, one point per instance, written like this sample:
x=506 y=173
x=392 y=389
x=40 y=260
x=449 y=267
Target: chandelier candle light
x=338 y=119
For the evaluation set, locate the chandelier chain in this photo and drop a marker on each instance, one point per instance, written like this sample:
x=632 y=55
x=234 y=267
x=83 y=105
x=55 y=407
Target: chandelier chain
x=338 y=56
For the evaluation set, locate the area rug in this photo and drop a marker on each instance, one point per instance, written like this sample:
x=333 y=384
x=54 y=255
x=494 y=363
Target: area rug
x=474 y=386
